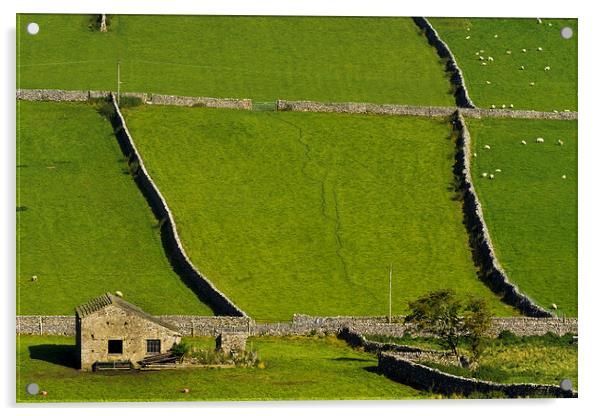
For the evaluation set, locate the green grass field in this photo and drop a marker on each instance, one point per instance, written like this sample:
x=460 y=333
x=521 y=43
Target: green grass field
x=82 y=225
x=555 y=89
x=531 y=211
x=286 y=223
x=301 y=368
x=383 y=60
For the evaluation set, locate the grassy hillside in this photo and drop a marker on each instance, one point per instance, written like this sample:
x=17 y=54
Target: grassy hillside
x=384 y=60
x=297 y=368
x=555 y=89
x=531 y=211
x=303 y=213
x=83 y=228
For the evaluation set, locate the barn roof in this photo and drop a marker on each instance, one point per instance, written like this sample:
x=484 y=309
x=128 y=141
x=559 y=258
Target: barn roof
x=107 y=299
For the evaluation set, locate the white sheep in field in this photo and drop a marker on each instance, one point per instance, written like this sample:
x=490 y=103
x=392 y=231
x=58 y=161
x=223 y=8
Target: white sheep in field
x=522 y=68
x=468 y=37
x=539 y=140
x=487 y=147
x=540 y=49
x=563 y=176
x=560 y=142
x=493 y=106
x=492 y=176
x=482 y=51
x=511 y=105
x=34 y=278
x=503 y=105
x=484 y=174
x=495 y=36
x=118 y=293
x=524 y=50
x=539 y=21
x=488 y=82
x=532 y=83
x=490 y=58
x=484 y=63
x=498 y=170
x=550 y=24
x=474 y=154
x=508 y=52
x=547 y=68
x=523 y=142
x=566 y=111
x=477 y=53
x=481 y=58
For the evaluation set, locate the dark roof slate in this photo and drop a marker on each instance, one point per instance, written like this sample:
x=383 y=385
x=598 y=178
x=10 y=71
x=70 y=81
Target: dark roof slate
x=107 y=299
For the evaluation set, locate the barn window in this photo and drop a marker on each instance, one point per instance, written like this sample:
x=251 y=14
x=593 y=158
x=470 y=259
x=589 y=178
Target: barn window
x=115 y=346
x=153 y=345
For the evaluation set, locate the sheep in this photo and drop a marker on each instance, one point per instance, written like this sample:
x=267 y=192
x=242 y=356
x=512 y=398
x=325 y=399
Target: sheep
x=487 y=147
x=474 y=155
x=508 y=52
x=560 y=142
x=554 y=306
x=539 y=21
x=550 y=24
x=484 y=63
x=481 y=58
x=482 y=51
x=563 y=176
x=503 y=105
x=468 y=37
x=511 y=106
x=555 y=111
x=488 y=82
x=34 y=278
x=498 y=170
x=547 y=68
x=539 y=140
x=495 y=36
x=476 y=53
x=492 y=176
x=523 y=50
x=532 y=83
x=493 y=106
x=522 y=68
x=523 y=142
x=118 y=293
x=566 y=111
x=540 y=48
x=490 y=58
x=484 y=174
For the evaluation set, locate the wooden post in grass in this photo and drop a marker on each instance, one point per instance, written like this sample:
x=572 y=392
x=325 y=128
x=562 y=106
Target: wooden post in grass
x=118 y=80
x=390 y=285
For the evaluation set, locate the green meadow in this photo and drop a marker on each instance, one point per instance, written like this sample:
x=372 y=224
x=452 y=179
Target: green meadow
x=382 y=60
x=83 y=227
x=304 y=212
x=531 y=206
x=554 y=89
x=296 y=368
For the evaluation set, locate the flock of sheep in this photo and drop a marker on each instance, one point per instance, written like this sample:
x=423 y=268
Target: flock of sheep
x=538 y=140
x=489 y=59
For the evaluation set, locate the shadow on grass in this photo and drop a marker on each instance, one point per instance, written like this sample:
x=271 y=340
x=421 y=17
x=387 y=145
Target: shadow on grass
x=372 y=369
x=65 y=355
x=350 y=359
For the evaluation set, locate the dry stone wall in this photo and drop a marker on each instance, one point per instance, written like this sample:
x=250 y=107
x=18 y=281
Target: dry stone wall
x=457 y=79
x=399 y=368
x=158 y=99
x=171 y=240
x=300 y=325
x=491 y=271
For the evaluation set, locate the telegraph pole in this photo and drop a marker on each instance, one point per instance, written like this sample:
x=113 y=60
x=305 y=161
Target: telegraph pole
x=390 y=286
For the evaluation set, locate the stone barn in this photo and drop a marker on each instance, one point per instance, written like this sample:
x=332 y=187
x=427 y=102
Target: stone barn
x=113 y=332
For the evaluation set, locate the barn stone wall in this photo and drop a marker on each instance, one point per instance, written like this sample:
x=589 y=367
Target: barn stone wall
x=115 y=323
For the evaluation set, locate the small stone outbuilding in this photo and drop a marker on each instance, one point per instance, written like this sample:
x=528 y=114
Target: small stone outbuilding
x=111 y=330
